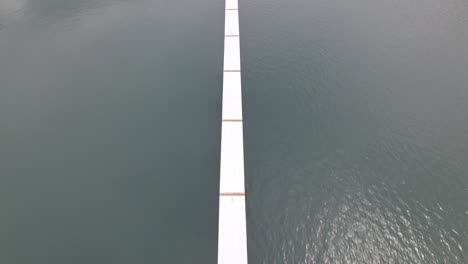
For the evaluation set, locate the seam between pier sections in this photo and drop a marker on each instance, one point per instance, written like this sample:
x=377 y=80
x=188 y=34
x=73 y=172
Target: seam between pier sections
x=232 y=194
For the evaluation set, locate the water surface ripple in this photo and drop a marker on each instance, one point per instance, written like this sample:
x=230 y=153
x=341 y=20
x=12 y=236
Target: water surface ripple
x=356 y=130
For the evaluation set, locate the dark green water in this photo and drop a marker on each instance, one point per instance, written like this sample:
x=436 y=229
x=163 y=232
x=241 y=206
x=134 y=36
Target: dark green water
x=356 y=130
x=109 y=130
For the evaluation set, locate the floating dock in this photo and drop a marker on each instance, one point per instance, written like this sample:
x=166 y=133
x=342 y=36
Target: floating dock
x=232 y=233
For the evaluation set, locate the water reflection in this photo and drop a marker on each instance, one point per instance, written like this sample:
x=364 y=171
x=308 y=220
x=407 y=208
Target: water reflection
x=10 y=10
x=356 y=143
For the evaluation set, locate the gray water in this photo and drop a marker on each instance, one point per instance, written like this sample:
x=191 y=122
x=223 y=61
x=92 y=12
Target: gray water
x=109 y=130
x=356 y=130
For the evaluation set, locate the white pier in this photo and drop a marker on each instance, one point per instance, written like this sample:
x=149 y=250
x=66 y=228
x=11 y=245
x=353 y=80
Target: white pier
x=232 y=234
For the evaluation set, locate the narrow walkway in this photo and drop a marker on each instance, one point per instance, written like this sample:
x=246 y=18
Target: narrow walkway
x=232 y=236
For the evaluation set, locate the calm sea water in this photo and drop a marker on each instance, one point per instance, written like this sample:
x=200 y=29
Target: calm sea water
x=356 y=130
x=109 y=130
